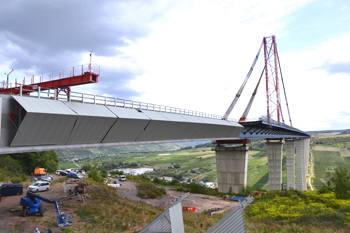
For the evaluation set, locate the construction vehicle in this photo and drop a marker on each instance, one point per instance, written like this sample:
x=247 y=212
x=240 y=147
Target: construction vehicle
x=31 y=204
x=39 y=171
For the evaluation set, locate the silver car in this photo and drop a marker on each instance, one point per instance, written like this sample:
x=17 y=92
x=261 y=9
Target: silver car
x=39 y=186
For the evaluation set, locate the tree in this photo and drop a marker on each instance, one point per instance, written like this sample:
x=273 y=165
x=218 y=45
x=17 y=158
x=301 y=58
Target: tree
x=86 y=167
x=341 y=181
x=45 y=159
x=11 y=165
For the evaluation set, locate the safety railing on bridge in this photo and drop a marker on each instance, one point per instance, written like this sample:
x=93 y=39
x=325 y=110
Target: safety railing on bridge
x=53 y=75
x=55 y=94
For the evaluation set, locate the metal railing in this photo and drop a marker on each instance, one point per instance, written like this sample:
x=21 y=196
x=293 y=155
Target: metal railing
x=53 y=75
x=234 y=220
x=47 y=93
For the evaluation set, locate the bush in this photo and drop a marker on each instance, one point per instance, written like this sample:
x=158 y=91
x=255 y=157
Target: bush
x=16 y=180
x=300 y=207
x=149 y=190
x=93 y=174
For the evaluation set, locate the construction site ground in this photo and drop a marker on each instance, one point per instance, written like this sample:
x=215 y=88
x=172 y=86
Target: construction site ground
x=11 y=219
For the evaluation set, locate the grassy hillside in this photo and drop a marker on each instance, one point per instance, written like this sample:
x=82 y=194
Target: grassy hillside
x=196 y=163
x=276 y=211
x=63 y=154
x=329 y=150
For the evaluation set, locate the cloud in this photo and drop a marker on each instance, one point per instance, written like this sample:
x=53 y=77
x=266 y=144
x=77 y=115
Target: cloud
x=336 y=68
x=186 y=54
x=37 y=36
x=63 y=29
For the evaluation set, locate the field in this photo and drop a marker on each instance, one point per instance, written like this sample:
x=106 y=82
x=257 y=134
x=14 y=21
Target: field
x=197 y=164
x=200 y=163
x=326 y=159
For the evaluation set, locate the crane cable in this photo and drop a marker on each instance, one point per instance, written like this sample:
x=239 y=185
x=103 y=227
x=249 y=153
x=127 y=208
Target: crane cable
x=229 y=110
x=284 y=90
x=250 y=103
x=246 y=111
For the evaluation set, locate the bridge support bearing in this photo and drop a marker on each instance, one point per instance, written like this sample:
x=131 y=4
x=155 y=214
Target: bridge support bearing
x=274 y=156
x=302 y=150
x=232 y=166
x=290 y=156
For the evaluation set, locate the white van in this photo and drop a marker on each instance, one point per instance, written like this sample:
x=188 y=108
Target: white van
x=39 y=186
x=122 y=178
x=58 y=172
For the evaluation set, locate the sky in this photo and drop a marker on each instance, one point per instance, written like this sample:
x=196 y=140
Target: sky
x=189 y=54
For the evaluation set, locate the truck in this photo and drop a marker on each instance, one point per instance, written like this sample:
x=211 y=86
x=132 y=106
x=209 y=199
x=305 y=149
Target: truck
x=32 y=204
x=39 y=171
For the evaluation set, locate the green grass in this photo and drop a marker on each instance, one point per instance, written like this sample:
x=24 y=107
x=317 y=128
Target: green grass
x=203 y=161
x=195 y=159
x=324 y=164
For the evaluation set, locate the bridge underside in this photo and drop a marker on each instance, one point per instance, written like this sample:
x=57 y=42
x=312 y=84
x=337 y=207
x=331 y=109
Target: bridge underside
x=265 y=130
x=37 y=124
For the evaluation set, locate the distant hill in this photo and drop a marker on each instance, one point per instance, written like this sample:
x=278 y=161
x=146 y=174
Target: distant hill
x=142 y=148
x=339 y=131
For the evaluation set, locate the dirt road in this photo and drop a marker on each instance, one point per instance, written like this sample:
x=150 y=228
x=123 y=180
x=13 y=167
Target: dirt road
x=201 y=202
x=11 y=220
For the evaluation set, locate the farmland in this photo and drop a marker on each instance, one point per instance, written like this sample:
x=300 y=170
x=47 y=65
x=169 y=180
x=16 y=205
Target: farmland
x=190 y=164
x=197 y=164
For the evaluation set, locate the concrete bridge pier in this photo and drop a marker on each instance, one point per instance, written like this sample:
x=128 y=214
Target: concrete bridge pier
x=290 y=157
x=232 y=165
x=274 y=156
x=302 y=151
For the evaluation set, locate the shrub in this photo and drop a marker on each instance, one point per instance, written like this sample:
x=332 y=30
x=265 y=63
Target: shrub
x=301 y=207
x=16 y=180
x=93 y=174
x=149 y=190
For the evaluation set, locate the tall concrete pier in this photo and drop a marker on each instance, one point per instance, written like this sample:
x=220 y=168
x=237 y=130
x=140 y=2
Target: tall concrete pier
x=274 y=156
x=232 y=164
x=290 y=157
x=302 y=151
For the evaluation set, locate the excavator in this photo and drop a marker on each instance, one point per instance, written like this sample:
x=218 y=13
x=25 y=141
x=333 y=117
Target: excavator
x=31 y=204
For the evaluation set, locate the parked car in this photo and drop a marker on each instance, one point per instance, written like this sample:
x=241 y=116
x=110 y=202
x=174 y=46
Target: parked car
x=44 y=178
x=73 y=175
x=115 y=184
x=39 y=186
x=63 y=173
x=59 y=171
x=11 y=189
x=122 y=178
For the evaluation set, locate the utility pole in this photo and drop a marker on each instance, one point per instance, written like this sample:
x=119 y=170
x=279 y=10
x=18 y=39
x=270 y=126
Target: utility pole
x=90 y=65
x=7 y=82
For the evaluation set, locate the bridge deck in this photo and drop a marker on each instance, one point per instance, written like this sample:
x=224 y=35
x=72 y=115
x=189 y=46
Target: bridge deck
x=29 y=124
x=270 y=130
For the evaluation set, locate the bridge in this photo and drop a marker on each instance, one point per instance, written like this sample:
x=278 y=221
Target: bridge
x=47 y=115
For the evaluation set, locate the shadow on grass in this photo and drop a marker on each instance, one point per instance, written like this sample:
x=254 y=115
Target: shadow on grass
x=263 y=181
